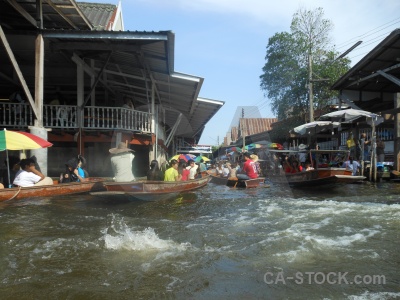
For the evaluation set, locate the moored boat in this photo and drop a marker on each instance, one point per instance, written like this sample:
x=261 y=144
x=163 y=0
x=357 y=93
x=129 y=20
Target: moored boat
x=315 y=178
x=322 y=175
x=18 y=193
x=151 y=190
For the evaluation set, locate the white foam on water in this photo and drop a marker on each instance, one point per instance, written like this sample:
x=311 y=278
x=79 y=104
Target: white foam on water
x=375 y=296
x=136 y=240
x=120 y=236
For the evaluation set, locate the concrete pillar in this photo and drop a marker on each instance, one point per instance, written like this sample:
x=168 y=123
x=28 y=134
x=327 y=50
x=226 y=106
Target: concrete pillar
x=40 y=154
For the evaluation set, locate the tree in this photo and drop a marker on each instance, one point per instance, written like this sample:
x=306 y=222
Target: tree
x=286 y=71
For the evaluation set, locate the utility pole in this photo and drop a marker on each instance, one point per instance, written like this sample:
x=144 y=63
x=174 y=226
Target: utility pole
x=310 y=88
x=243 y=135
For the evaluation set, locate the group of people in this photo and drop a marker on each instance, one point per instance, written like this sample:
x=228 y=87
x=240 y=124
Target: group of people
x=183 y=171
x=249 y=170
x=26 y=172
x=361 y=149
x=23 y=173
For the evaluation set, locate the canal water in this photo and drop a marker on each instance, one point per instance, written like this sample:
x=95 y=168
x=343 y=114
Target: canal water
x=215 y=243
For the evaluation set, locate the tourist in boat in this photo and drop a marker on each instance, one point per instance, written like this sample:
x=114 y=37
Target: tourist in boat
x=308 y=166
x=254 y=158
x=352 y=165
x=171 y=174
x=155 y=174
x=291 y=165
x=121 y=163
x=249 y=168
x=219 y=170
x=74 y=171
x=182 y=169
x=232 y=169
x=203 y=167
x=13 y=163
x=29 y=175
x=192 y=167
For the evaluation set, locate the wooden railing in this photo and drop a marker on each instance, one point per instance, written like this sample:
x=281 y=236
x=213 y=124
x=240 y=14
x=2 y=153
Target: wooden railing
x=17 y=115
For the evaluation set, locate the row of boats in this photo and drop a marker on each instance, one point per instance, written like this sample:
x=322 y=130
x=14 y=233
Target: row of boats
x=162 y=190
x=157 y=190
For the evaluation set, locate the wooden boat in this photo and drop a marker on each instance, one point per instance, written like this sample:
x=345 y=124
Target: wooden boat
x=151 y=190
x=18 y=193
x=322 y=175
x=315 y=178
x=235 y=182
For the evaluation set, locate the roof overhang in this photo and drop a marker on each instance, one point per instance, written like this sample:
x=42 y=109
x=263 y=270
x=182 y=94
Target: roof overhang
x=131 y=62
x=371 y=83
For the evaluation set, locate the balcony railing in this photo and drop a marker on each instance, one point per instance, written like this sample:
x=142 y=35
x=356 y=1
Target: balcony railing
x=71 y=117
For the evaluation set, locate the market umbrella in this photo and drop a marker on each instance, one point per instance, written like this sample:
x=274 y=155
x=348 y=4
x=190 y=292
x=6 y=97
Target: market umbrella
x=200 y=157
x=181 y=156
x=317 y=126
x=352 y=114
x=275 y=146
x=19 y=140
x=254 y=146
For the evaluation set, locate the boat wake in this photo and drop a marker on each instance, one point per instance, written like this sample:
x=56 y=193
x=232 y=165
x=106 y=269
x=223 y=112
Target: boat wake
x=120 y=236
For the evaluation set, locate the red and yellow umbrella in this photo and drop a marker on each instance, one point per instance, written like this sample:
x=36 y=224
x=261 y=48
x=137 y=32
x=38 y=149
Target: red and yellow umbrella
x=19 y=140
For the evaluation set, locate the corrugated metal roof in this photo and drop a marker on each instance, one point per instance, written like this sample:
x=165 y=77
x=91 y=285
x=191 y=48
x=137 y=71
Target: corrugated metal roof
x=257 y=125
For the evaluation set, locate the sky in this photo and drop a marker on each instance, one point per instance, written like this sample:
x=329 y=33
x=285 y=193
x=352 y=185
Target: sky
x=224 y=41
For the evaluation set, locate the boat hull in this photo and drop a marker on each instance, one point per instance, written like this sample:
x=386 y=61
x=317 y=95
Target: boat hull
x=320 y=177
x=151 y=190
x=91 y=185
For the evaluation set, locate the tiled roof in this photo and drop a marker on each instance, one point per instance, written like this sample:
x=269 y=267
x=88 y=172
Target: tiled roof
x=99 y=14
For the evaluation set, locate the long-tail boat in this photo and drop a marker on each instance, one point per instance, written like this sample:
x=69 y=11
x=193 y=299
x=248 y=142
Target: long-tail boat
x=151 y=190
x=56 y=189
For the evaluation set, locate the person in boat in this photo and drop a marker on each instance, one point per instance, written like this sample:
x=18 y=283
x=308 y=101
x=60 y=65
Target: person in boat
x=171 y=174
x=182 y=169
x=254 y=158
x=29 y=175
x=203 y=167
x=155 y=173
x=192 y=167
x=302 y=155
x=292 y=165
x=308 y=166
x=13 y=163
x=74 y=171
x=219 y=170
x=352 y=165
x=249 y=168
x=232 y=169
x=121 y=163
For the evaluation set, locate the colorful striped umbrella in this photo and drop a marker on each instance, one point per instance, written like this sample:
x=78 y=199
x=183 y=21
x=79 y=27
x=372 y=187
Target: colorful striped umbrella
x=19 y=140
x=204 y=158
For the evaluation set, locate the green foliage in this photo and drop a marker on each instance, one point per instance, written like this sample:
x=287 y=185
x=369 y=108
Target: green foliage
x=285 y=75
